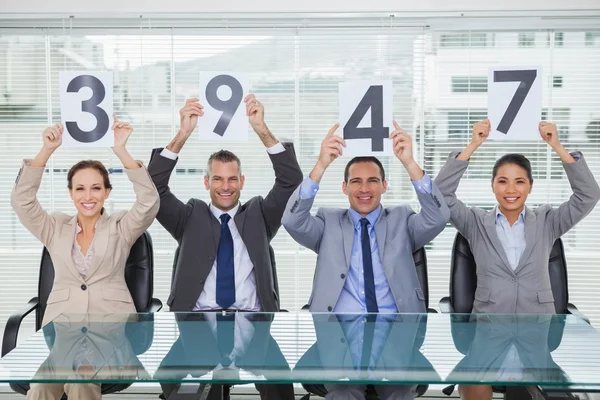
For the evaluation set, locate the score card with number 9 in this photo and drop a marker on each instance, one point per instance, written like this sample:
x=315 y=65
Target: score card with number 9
x=222 y=95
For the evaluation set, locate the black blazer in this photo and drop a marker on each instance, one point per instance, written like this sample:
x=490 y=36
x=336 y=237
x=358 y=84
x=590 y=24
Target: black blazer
x=198 y=232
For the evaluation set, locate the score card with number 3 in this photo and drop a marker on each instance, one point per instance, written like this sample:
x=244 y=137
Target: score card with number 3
x=222 y=95
x=514 y=103
x=86 y=107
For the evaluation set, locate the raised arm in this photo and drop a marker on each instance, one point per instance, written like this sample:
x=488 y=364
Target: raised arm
x=24 y=195
x=288 y=174
x=448 y=179
x=297 y=220
x=173 y=213
x=134 y=222
x=586 y=192
x=434 y=214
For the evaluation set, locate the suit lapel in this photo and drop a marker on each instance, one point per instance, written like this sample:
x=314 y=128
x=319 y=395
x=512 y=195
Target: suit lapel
x=65 y=246
x=530 y=237
x=348 y=236
x=216 y=228
x=490 y=227
x=100 y=244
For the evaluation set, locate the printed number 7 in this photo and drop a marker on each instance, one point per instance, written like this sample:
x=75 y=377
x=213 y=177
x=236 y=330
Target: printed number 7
x=526 y=77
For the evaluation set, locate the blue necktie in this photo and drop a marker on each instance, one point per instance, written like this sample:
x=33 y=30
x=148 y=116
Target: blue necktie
x=370 y=296
x=225 y=270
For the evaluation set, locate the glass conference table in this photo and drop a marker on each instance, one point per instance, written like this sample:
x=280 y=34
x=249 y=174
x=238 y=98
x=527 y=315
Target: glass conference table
x=520 y=353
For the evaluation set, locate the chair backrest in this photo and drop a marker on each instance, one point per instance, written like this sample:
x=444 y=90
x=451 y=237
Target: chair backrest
x=138 y=275
x=420 y=258
x=463 y=276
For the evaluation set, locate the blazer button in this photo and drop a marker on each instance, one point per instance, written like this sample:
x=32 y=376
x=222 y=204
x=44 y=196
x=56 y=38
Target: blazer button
x=343 y=276
x=329 y=308
x=342 y=340
x=512 y=280
x=83 y=330
x=83 y=287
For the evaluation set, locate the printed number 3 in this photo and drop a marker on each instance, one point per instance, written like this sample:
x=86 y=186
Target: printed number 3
x=89 y=106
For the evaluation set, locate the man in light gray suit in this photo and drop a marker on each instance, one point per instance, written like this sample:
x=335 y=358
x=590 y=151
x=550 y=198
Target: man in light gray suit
x=372 y=269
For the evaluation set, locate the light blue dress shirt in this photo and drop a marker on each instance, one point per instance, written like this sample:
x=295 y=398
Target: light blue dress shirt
x=352 y=299
x=512 y=237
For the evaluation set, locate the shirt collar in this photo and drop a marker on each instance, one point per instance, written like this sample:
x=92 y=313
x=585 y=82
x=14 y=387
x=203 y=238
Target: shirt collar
x=373 y=216
x=217 y=212
x=499 y=215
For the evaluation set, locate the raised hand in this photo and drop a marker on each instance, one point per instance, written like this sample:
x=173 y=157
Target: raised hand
x=481 y=131
x=256 y=114
x=122 y=131
x=52 y=137
x=188 y=116
x=331 y=147
x=549 y=134
x=402 y=143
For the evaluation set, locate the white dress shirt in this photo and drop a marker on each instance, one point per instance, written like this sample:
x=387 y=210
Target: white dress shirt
x=245 y=279
x=246 y=297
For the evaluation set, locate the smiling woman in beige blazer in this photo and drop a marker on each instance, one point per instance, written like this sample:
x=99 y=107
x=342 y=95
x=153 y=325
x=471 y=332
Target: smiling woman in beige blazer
x=89 y=250
x=512 y=243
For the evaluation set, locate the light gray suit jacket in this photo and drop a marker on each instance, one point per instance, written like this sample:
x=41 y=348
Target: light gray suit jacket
x=527 y=289
x=399 y=231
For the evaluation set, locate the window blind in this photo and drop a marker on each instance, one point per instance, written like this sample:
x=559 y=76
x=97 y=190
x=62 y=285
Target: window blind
x=440 y=89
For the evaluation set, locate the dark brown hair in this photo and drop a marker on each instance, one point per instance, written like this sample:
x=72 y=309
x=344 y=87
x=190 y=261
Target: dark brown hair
x=362 y=159
x=85 y=164
x=223 y=156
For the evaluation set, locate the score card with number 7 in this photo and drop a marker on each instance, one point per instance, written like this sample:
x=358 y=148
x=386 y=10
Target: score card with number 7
x=222 y=95
x=514 y=103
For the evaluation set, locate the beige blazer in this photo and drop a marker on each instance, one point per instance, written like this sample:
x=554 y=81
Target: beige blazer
x=104 y=289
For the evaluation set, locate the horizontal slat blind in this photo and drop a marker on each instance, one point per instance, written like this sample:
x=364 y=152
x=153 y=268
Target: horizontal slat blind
x=440 y=89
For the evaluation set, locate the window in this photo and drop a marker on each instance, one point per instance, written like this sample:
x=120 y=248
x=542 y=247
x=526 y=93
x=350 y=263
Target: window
x=475 y=39
x=557 y=81
x=469 y=84
x=592 y=38
x=558 y=39
x=297 y=78
x=527 y=39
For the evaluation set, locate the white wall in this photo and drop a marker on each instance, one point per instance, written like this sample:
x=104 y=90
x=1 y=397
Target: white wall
x=402 y=8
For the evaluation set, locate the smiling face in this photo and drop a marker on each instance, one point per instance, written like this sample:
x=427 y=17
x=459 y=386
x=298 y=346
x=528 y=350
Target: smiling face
x=511 y=186
x=88 y=192
x=225 y=184
x=364 y=187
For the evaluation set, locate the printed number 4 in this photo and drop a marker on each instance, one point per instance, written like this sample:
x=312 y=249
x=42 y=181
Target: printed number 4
x=372 y=99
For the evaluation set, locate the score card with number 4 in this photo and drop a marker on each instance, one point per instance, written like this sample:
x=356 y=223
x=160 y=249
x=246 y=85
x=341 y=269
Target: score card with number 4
x=222 y=95
x=366 y=117
x=514 y=103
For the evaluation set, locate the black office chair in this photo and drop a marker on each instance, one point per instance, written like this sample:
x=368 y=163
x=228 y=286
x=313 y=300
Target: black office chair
x=140 y=281
x=463 y=282
x=420 y=258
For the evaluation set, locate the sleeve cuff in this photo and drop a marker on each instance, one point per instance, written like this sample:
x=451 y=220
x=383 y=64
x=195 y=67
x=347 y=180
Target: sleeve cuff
x=168 y=154
x=275 y=149
x=308 y=188
x=423 y=186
